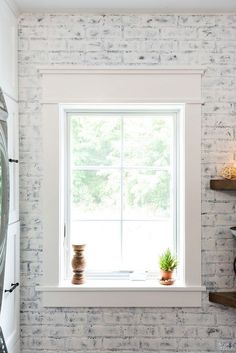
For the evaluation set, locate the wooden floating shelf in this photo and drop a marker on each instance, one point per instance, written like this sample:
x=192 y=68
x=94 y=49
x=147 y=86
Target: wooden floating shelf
x=222 y=184
x=224 y=298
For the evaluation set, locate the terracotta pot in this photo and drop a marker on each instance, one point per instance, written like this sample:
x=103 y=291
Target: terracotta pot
x=166 y=275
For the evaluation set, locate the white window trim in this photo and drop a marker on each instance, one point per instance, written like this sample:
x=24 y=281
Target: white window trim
x=175 y=110
x=86 y=85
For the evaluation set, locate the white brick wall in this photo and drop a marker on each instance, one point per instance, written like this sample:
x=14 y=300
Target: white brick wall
x=208 y=40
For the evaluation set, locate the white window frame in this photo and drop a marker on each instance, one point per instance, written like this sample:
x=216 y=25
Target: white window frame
x=103 y=86
x=177 y=113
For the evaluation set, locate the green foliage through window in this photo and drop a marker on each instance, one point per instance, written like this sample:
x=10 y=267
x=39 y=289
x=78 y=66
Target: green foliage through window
x=121 y=161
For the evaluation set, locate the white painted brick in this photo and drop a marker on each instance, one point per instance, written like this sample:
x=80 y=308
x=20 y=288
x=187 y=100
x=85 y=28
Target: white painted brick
x=226 y=345
x=157 y=318
x=158 y=20
x=227 y=33
x=27 y=32
x=209 y=244
x=218 y=133
x=65 y=31
x=197 y=319
x=218 y=207
x=136 y=33
x=100 y=58
x=216 y=233
x=23 y=44
x=227 y=20
x=64 y=19
x=197 y=20
x=198 y=344
x=155 y=344
x=153 y=39
x=114 y=32
x=225 y=269
x=179 y=33
x=209 y=269
x=99 y=330
x=228 y=46
x=221 y=59
x=217 y=157
x=197 y=45
x=141 y=58
x=225 y=281
x=226 y=83
x=84 y=45
x=188 y=58
x=121 y=317
x=120 y=343
x=217 y=256
x=206 y=33
x=65 y=57
x=128 y=20
x=178 y=331
x=225 y=316
x=121 y=45
x=221 y=121
x=226 y=244
x=140 y=330
x=215 y=331
x=82 y=343
x=38 y=44
x=35 y=57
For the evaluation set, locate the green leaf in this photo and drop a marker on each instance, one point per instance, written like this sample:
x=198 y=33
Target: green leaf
x=167 y=261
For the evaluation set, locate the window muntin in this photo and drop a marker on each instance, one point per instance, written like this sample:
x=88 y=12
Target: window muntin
x=121 y=187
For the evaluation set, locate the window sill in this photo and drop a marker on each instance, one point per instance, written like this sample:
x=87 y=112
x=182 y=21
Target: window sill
x=121 y=294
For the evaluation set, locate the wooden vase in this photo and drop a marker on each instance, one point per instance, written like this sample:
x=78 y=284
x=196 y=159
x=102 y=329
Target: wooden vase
x=78 y=264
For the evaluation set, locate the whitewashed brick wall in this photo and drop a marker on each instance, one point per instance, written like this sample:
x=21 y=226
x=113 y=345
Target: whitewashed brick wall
x=208 y=40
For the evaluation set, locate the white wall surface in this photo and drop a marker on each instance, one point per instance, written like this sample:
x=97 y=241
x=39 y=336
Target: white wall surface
x=8 y=50
x=131 y=40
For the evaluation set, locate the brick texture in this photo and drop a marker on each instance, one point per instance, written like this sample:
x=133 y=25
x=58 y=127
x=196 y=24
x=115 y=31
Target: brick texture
x=90 y=39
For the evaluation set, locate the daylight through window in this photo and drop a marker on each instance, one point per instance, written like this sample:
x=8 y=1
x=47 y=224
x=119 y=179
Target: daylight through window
x=121 y=187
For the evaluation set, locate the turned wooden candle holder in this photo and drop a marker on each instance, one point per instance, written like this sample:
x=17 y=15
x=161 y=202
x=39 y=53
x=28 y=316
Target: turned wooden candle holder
x=78 y=264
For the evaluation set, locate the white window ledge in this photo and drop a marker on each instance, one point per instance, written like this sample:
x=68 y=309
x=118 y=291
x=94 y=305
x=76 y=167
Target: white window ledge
x=121 y=294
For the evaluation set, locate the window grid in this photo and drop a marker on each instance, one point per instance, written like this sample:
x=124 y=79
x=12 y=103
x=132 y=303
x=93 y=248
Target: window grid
x=121 y=168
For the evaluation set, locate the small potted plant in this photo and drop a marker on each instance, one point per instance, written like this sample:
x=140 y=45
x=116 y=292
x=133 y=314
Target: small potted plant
x=168 y=263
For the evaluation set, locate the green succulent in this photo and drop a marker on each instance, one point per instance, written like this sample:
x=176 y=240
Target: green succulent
x=167 y=261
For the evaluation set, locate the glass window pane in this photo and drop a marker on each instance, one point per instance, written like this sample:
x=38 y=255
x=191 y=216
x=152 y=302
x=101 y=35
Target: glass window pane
x=147 y=194
x=143 y=242
x=148 y=140
x=121 y=189
x=95 y=140
x=95 y=194
x=102 y=241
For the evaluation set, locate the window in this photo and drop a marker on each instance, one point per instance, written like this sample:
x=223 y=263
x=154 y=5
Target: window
x=121 y=186
x=144 y=168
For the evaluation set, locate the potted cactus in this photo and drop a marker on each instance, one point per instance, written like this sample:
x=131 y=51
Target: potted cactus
x=168 y=263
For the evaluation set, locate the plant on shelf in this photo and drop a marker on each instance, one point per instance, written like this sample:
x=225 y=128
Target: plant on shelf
x=168 y=263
